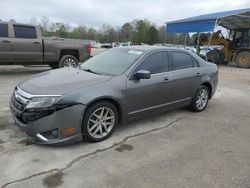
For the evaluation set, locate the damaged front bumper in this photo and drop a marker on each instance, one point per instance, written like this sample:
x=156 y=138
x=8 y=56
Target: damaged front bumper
x=49 y=126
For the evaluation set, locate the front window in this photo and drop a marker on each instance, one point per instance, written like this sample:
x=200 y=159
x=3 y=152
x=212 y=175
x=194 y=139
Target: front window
x=155 y=63
x=112 y=62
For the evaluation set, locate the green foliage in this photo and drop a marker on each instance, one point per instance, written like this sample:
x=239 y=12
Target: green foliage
x=152 y=35
x=136 y=31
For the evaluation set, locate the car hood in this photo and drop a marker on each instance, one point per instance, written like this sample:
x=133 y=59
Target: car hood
x=61 y=81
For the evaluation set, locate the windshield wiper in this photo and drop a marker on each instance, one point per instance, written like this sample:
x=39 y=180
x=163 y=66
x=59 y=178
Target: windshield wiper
x=89 y=70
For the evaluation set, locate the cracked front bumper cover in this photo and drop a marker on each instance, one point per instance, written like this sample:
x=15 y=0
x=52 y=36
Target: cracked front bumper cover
x=69 y=117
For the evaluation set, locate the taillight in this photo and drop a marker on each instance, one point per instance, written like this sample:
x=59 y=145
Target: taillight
x=89 y=49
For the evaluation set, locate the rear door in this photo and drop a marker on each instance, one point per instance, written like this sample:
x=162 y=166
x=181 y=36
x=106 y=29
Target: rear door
x=27 y=46
x=5 y=44
x=148 y=94
x=186 y=75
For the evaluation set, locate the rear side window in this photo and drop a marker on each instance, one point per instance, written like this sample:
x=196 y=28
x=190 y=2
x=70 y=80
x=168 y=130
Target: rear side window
x=155 y=63
x=3 y=30
x=26 y=32
x=182 y=61
x=195 y=63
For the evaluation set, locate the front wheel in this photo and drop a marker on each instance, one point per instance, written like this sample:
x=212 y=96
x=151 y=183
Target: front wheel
x=200 y=99
x=99 y=121
x=68 y=61
x=243 y=59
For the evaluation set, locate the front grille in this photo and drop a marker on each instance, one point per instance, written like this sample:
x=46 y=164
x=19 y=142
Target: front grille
x=32 y=116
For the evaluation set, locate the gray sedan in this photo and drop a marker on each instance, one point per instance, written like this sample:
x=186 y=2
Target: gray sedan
x=67 y=104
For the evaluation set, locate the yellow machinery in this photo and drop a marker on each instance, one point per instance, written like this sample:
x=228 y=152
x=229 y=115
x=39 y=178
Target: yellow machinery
x=237 y=49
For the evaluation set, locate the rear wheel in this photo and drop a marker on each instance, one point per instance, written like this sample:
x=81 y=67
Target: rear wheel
x=68 y=61
x=243 y=59
x=99 y=121
x=200 y=99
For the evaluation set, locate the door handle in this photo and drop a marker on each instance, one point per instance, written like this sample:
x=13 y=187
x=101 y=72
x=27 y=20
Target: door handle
x=36 y=42
x=165 y=80
x=5 y=41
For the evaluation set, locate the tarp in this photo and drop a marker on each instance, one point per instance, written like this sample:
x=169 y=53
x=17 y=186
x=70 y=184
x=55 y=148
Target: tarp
x=205 y=23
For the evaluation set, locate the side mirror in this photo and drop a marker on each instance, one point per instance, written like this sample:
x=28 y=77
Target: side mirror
x=142 y=74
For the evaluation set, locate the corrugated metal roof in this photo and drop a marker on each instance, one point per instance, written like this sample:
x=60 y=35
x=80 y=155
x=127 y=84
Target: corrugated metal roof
x=229 y=19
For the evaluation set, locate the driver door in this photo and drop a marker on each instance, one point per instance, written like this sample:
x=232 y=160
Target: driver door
x=146 y=95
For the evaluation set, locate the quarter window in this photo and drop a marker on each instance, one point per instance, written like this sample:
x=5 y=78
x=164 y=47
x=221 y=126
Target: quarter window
x=195 y=63
x=3 y=30
x=25 y=32
x=155 y=63
x=182 y=61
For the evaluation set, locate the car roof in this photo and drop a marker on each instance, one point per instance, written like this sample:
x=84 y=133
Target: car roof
x=150 y=48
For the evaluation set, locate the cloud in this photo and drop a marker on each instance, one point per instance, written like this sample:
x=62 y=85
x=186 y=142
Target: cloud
x=95 y=13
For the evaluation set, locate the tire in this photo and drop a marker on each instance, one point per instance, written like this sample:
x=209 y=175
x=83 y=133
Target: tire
x=243 y=59
x=214 y=56
x=202 y=95
x=96 y=128
x=54 y=65
x=68 y=61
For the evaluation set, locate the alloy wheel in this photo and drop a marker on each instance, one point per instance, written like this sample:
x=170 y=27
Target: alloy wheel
x=202 y=99
x=101 y=122
x=69 y=63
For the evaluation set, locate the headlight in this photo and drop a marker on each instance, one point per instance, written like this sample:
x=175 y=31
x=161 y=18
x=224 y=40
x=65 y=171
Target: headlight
x=42 y=102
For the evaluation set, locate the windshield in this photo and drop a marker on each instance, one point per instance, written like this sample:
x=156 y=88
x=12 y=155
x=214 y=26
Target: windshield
x=112 y=62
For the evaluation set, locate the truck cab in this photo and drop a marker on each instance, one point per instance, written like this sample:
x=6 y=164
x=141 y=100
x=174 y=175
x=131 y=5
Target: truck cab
x=23 y=44
x=19 y=43
x=240 y=38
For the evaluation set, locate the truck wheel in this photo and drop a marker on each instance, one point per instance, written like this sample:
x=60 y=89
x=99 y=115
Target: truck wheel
x=243 y=59
x=214 y=57
x=68 y=61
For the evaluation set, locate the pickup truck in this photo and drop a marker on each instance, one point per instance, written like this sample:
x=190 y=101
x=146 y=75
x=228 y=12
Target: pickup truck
x=23 y=44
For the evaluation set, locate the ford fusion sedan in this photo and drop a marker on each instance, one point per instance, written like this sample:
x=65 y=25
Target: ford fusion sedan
x=67 y=105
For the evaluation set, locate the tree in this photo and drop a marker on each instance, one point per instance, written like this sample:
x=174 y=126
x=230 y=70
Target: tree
x=140 y=35
x=108 y=34
x=45 y=23
x=152 y=35
x=162 y=33
x=62 y=30
x=92 y=34
x=136 y=31
x=80 y=32
x=126 y=32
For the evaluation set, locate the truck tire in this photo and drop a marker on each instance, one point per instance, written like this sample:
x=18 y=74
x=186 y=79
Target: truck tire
x=68 y=61
x=243 y=59
x=54 y=65
x=214 y=56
